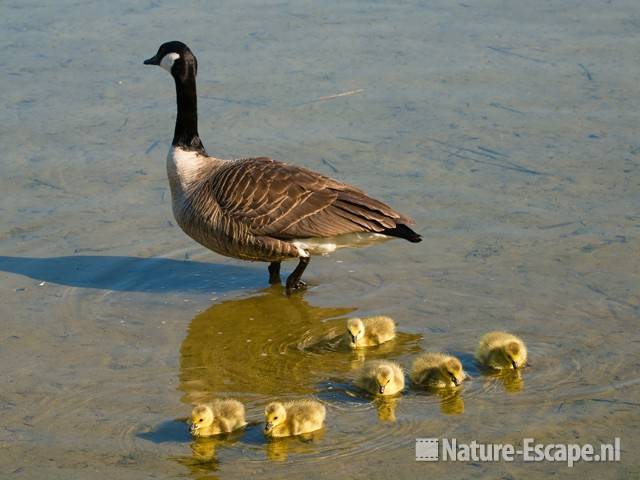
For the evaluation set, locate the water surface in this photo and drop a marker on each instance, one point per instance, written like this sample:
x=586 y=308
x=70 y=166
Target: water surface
x=509 y=130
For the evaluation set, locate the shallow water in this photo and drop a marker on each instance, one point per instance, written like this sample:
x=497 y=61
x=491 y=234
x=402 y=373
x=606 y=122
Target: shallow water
x=509 y=130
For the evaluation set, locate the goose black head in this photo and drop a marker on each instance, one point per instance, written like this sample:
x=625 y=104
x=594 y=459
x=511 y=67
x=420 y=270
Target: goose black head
x=176 y=58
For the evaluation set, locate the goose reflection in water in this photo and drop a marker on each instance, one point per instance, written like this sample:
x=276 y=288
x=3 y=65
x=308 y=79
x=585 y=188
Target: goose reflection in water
x=248 y=347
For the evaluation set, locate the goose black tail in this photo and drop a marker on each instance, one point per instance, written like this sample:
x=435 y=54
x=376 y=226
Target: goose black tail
x=402 y=231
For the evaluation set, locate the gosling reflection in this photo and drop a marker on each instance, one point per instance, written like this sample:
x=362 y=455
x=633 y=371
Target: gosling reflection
x=204 y=450
x=511 y=380
x=203 y=460
x=278 y=449
x=451 y=402
x=386 y=408
x=250 y=346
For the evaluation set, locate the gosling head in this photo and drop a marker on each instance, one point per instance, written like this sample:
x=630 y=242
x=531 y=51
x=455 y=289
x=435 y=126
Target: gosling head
x=176 y=58
x=274 y=415
x=383 y=377
x=515 y=355
x=452 y=372
x=201 y=418
x=355 y=331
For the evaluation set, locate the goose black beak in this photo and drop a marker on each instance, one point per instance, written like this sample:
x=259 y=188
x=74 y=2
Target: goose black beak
x=152 y=61
x=381 y=389
x=514 y=364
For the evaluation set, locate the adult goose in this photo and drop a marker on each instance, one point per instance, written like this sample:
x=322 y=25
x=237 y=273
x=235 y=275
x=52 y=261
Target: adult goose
x=257 y=208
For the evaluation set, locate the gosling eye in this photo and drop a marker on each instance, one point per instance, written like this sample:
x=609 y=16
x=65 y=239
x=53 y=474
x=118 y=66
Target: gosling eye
x=200 y=420
x=275 y=418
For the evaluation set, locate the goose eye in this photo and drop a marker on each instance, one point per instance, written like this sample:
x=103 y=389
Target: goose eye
x=275 y=418
x=200 y=420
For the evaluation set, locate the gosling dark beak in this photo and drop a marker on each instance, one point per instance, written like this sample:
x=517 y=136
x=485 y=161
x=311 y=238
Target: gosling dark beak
x=353 y=338
x=267 y=427
x=152 y=61
x=381 y=389
x=192 y=429
x=455 y=381
x=514 y=364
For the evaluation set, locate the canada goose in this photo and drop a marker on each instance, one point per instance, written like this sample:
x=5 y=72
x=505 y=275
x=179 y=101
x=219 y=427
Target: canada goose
x=381 y=377
x=437 y=370
x=220 y=416
x=293 y=418
x=371 y=331
x=257 y=208
x=500 y=350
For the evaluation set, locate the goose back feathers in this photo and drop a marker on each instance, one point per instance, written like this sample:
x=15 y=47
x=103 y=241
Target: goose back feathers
x=260 y=209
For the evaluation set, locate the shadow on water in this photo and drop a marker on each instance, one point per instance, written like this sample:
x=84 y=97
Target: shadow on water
x=171 y=431
x=133 y=274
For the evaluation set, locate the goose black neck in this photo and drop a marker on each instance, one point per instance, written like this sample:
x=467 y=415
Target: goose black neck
x=186 y=133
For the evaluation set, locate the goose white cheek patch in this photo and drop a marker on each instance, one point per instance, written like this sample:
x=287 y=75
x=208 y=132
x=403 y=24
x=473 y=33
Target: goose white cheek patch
x=168 y=61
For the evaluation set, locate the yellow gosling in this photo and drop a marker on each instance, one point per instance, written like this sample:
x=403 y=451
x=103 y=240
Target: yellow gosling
x=437 y=370
x=501 y=350
x=293 y=418
x=219 y=416
x=381 y=377
x=371 y=331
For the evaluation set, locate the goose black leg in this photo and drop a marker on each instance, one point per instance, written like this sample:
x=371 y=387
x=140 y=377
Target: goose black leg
x=274 y=273
x=294 y=282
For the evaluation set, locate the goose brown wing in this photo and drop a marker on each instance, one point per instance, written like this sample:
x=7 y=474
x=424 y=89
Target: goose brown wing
x=284 y=201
